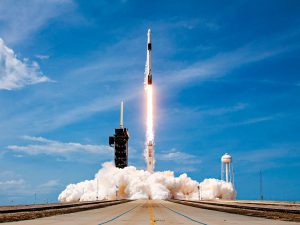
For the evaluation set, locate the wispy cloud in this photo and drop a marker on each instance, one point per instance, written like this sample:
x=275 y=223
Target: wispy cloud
x=42 y=57
x=185 y=169
x=223 y=110
x=249 y=121
x=178 y=157
x=271 y=153
x=16 y=73
x=194 y=23
x=255 y=120
x=20 y=19
x=245 y=122
x=20 y=187
x=9 y=184
x=224 y=62
x=267 y=158
x=49 y=186
x=50 y=147
x=200 y=113
x=97 y=105
x=12 y=184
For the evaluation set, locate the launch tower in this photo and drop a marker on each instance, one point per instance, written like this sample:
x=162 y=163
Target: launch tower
x=120 y=143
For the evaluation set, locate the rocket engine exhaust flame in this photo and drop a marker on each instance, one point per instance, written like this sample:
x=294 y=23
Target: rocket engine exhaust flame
x=149 y=148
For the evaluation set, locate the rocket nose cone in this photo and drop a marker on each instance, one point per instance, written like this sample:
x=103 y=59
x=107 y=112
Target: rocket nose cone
x=149 y=31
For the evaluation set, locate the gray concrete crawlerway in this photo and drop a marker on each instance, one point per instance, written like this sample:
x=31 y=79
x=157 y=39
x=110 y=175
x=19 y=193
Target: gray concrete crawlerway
x=151 y=212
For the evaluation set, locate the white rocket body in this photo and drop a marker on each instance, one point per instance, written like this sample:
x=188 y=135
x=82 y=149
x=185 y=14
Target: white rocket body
x=148 y=72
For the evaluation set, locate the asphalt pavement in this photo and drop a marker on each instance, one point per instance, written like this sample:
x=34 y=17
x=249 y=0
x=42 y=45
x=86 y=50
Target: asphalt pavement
x=153 y=212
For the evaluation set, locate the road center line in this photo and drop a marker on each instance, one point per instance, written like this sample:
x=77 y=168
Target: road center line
x=151 y=212
x=118 y=215
x=196 y=221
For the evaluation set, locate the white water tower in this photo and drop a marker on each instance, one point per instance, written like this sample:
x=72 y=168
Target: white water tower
x=227 y=168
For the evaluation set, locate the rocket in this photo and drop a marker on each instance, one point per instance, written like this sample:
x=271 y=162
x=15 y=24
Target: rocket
x=148 y=72
x=150 y=156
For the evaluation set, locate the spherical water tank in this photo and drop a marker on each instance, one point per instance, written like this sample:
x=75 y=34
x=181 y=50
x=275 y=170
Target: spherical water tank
x=226 y=158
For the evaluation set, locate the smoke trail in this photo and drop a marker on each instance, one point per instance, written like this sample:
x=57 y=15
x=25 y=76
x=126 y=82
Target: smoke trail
x=113 y=183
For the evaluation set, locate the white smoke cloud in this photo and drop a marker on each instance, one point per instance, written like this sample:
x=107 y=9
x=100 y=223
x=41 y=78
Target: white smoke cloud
x=132 y=183
x=16 y=73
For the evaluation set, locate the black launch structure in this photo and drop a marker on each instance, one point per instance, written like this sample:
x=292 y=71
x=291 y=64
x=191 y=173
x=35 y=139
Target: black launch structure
x=120 y=143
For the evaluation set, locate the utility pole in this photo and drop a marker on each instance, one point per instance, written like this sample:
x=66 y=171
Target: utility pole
x=200 y=191
x=117 y=188
x=261 y=186
x=97 y=188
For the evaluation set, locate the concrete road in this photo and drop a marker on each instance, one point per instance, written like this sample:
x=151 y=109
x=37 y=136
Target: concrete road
x=144 y=212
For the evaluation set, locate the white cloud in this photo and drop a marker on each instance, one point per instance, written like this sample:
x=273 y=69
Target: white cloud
x=16 y=73
x=178 y=156
x=22 y=18
x=225 y=62
x=12 y=184
x=50 y=184
x=9 y=184
x=267 y=158
x=224 y=110
x=20 y=187
x=185 y=169
x=249 y=121
x=35 y=139
x=51 y=147
x=200 y=114
x=68 y=151
x=100 y=104
x=42 y=56
x=197 y=112
x=256 y=120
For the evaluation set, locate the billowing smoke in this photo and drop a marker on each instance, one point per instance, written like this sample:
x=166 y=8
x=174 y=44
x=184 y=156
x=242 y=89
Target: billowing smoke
x=114 y=183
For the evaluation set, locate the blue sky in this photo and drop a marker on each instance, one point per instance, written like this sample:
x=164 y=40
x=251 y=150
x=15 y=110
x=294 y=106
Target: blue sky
x=226 y=79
